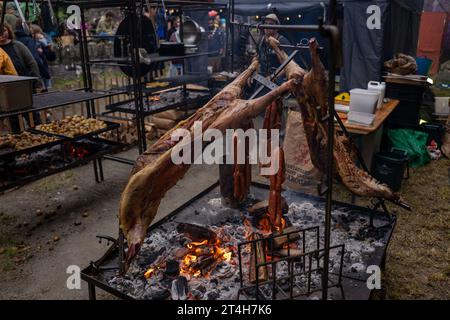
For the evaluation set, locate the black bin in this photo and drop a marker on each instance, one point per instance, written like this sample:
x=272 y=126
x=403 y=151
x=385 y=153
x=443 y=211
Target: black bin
x=407 y=113
x=390 y=167
x=435 y=132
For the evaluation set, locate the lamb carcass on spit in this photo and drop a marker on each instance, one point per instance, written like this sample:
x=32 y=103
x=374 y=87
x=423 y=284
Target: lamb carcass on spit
x=311 y=94
x=155 y=173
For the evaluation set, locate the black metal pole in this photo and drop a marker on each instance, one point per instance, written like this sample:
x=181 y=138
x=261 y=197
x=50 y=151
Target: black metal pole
x=91 y=289
x=330 y=162
x=232 y=35
x=3 y=14
x=90 y=105
x=83 y=69
x=137 y=83
x=227 y=35
x=84 y=45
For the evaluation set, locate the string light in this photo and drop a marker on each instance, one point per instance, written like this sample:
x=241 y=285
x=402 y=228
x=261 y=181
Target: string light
x=287 y=18
x=299 y=15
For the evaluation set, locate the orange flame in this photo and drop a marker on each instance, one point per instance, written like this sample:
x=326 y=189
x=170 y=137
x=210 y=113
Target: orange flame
x=227 y=256
x=205 y=248
x=197 y=244
x=148 y=274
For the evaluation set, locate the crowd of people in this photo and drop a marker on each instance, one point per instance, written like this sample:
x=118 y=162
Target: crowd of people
x=25 y=50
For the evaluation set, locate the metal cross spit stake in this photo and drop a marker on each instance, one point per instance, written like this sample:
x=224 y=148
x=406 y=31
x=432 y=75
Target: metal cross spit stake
x=264 y=81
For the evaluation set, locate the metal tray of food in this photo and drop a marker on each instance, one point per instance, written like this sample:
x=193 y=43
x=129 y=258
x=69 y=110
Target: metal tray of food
x=109 y=127
x=8 y=152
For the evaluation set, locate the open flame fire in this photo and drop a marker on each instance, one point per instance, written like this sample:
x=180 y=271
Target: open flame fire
x=203 y=256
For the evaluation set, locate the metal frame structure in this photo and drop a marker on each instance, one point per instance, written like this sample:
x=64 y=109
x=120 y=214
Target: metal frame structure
x=97 y=273
x=306 y=268
x=331 y=31
x=135 y=9
x=85 y=95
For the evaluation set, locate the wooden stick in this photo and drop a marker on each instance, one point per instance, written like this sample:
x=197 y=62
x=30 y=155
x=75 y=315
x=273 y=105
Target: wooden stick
x=257 y=256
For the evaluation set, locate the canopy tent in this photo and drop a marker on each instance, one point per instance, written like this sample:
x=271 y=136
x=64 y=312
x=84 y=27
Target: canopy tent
x=364 y=49
x=283 y=7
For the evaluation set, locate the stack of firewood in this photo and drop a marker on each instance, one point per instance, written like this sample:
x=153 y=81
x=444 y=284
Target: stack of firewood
x=127 y=133
x=165 y=121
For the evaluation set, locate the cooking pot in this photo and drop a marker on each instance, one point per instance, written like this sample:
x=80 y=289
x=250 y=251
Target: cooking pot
x=192 y=32
x=147 y=40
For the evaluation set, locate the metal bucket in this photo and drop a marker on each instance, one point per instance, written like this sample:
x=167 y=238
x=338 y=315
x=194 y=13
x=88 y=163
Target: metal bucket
x=16 y=93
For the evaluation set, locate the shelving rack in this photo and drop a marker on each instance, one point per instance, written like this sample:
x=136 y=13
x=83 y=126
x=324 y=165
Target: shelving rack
x=60 y=99
x=136 y=90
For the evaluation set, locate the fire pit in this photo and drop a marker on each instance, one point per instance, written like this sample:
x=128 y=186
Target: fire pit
x=216 y=256
x=25 y=168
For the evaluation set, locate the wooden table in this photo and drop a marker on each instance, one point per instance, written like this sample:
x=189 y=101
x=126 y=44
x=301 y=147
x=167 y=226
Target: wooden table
x=368 y=138
x=380 y=116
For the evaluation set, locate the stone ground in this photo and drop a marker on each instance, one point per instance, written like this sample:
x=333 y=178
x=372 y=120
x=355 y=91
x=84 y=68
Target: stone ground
x=39 y=232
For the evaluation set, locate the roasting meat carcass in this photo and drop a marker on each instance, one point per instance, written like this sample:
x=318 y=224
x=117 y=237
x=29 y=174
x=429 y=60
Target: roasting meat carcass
x=242 y=173
x=155 y=173
x=276 y=188
x=310 y=93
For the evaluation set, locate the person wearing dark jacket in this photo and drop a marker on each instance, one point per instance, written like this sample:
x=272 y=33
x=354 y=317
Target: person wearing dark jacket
x=45 y=53
x=25 y=65
x=22 y=58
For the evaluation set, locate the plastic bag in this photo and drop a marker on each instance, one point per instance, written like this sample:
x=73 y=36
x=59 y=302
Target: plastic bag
x=414 y=142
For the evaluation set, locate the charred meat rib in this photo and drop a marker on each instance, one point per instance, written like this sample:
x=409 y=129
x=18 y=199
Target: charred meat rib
x=154 y=173
x=310 y=93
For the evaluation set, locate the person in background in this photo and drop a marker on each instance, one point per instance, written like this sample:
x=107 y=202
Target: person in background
x=11 y=14
x=106 y=26
x=268 y=58
x=152 y=14
x=216 y=39
x=6 y=64
x=25 y=65
x=176 y=67
x=170 y=27
x=46 y=55
x=21 y=57
x=174 y=32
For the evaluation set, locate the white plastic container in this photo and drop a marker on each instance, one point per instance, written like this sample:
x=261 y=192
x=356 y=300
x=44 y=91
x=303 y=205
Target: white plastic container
x=361 y=118
x=442 y=106
x=363 y=101
x=378 y=87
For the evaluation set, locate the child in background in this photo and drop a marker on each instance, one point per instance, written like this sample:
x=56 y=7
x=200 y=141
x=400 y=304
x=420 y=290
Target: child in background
x=46 y=54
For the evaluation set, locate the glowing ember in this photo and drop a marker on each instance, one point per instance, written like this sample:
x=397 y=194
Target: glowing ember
x=283 y=225
x=148 y=274
x=197 y=244
x=227 y=256
x=202 y=257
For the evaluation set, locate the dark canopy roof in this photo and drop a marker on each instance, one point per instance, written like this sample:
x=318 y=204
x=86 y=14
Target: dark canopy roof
x=252 y=7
